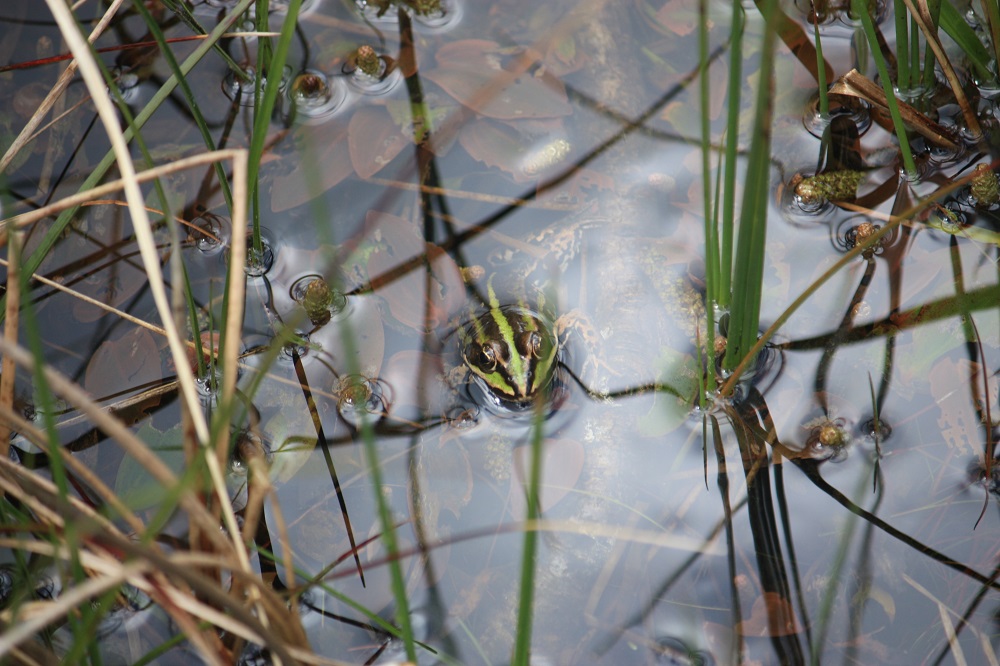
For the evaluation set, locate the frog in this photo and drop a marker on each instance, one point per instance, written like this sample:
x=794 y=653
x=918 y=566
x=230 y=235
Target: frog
x=510 y=350
x=510 y=341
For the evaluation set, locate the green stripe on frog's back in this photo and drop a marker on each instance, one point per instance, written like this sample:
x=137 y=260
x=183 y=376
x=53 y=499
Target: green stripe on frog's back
x=516 y=370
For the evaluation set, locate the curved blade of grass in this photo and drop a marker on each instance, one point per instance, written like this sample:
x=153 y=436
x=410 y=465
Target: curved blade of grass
x=954 y=25
x=10 y=333
x=196 y=116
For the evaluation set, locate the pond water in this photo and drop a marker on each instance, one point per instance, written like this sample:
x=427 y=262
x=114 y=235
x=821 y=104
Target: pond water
x=544 y=157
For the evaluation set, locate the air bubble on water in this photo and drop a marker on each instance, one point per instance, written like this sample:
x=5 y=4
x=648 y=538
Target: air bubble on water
x=248 y=444
x=241 y=89
x=360 y=397
x=869 y=431
x=211 y=232
x=259 y=261
x=315 y=96
x=318 y=298
x=297 y=346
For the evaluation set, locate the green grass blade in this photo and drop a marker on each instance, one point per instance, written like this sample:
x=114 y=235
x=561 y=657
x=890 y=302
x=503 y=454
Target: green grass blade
x=992 y=13
x=821 y=82
x=713 y=278
x=181 y=10
x=71 y=534
x=264 y=109
x=902 y=44
x=749 y=269
x=954 y=25
x=732 y=144
x=192 y=101
x=861 y=9
x=389 y=540
x=525 y=610
x=934 y=10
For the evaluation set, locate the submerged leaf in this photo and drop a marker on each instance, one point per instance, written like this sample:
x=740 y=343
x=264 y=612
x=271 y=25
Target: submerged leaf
x=470 y=71
x=374 y=140
x=398 y=273
x=134 y=485
x=495 y=146
x=562 y=464
x=320 y=145
x=771 y=615
x=131 y=361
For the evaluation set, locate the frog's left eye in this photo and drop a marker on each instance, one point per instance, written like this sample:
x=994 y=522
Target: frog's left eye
x=529 y=344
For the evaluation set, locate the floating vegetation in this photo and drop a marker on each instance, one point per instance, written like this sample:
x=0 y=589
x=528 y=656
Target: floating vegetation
x=830 y=186
x=985 y=186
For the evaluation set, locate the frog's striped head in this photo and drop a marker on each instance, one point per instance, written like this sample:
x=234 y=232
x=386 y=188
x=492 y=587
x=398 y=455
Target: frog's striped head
x=510 y=351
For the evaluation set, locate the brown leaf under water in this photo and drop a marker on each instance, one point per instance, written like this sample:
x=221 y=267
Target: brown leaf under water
x=471 y=71
x=562 y=464
x=680 y=17
x=374 y=140
x=495 y=146
x=771 y=615
x=321 y=144
x=117 y=366
x=398 y=273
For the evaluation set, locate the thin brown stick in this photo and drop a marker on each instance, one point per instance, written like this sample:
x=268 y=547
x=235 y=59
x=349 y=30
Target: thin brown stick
x=41 y=62
x=7 y=371
x=100 y=191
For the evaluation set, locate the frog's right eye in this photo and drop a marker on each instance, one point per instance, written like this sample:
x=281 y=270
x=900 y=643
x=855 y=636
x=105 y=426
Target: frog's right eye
x=484 y=356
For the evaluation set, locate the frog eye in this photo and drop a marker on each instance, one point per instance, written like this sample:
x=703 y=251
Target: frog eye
x=529 y=344
x=484 y=356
